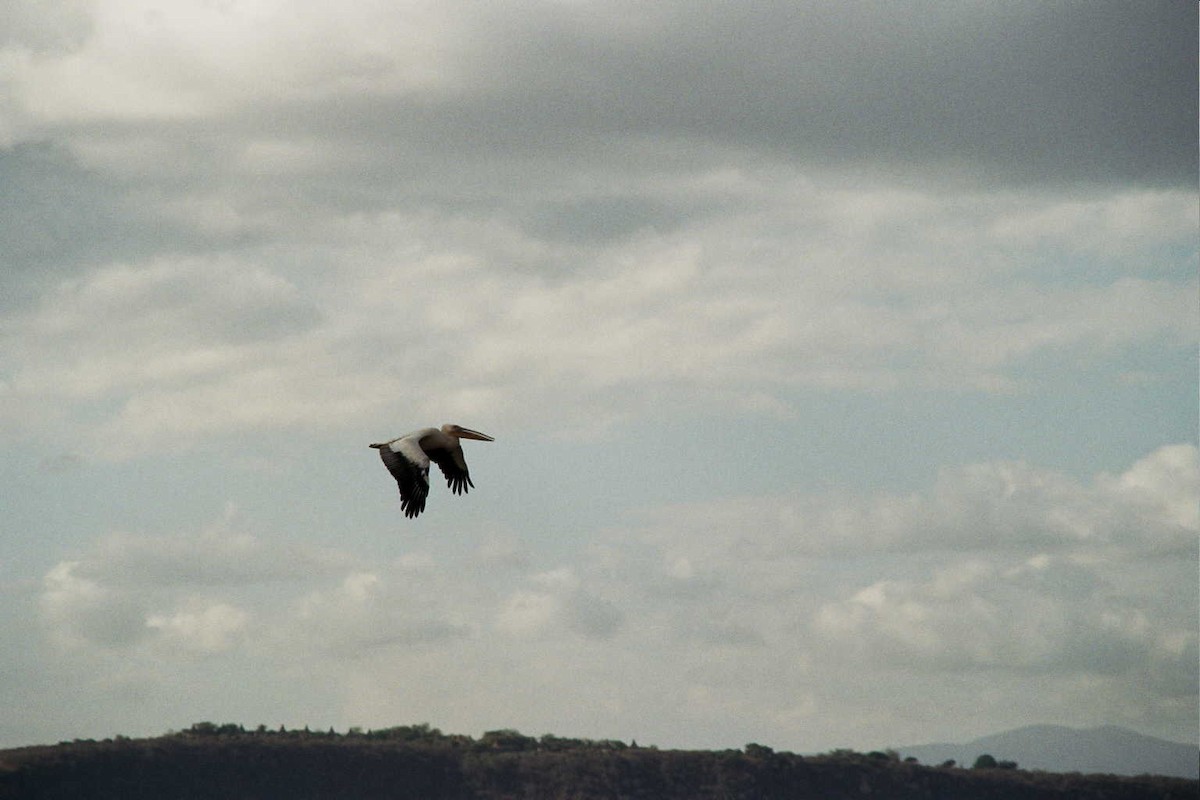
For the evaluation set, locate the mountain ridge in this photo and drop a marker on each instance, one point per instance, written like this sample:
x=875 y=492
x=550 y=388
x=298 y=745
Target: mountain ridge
x=1058 y=748
x=215 y=762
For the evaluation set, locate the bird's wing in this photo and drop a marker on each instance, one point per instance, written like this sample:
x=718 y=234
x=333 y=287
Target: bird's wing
x=412 y=478
x=452 y=464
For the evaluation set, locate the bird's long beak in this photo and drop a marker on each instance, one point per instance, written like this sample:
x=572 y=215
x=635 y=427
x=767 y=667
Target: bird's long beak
x=467 y=433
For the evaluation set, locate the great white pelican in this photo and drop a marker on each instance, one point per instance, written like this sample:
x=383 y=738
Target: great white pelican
x=407 y=458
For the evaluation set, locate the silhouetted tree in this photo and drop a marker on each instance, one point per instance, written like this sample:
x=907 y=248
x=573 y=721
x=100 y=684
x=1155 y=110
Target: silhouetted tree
x=755 y=750
x=507 y=739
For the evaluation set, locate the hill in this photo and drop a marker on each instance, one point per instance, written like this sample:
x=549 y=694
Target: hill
x=210 y=761
x=1060 y=749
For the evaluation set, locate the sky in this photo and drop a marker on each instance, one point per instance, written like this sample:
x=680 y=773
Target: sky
x=841 y=361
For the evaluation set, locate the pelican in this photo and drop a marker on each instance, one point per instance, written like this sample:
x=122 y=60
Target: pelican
x=407 y=458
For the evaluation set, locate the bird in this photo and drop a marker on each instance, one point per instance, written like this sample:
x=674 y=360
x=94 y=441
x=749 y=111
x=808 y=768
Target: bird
x=407 y=457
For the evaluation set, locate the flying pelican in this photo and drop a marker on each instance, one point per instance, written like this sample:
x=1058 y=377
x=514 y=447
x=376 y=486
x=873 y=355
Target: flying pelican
x=407 y=458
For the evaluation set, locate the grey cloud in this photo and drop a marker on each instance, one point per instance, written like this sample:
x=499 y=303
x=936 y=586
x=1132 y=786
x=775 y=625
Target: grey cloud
x=596 y=220
x=353 y=643
x=728 y=634
x=62 y=217
x=53 y=26
x=1058 y=578
x=59 y=217
x=592 y=616
x=211 y=558
x=675 y=587
x=1025 y=92
x=1176 y=672
x=208 y=300
x=125 y=327
x=370 y=612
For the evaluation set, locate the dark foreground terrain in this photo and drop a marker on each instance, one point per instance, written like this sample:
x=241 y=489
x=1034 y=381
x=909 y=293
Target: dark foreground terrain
x=210 y=761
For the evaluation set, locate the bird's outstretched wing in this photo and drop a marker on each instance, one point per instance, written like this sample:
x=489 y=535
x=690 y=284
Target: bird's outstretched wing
x=412 y=479
x=452 y=464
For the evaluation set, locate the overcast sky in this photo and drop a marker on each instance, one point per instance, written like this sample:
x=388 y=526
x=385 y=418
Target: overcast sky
x=841 y=360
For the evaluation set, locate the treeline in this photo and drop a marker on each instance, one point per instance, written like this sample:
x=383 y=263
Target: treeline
x=209 y=760
x=504 y=739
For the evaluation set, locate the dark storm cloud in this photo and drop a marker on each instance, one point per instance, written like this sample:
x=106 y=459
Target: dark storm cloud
x=559 y=116
x=600 y=219
x=1091 y=91
x=1016 y=92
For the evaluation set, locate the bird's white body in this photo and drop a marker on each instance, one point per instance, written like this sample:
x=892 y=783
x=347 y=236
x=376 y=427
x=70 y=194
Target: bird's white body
x=409 y=446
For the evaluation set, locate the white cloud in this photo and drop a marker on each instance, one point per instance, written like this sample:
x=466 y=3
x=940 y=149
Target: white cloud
x=369 y=611
x=217 y=555
x=474 y=314
x=145 y=331
x=1124 y=226
x=997 y=507
x=201 y=628
x=180 y=588
x=997 y=573
x=1163 y=484
x=561 y=603
x=79 y=611
x=1045 y=615
x=214 y=58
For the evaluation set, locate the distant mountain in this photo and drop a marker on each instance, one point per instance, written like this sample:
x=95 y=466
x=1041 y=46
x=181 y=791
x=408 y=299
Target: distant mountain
x=1055 y=748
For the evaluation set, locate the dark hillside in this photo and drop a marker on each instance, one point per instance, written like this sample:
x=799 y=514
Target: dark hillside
x=419 y=762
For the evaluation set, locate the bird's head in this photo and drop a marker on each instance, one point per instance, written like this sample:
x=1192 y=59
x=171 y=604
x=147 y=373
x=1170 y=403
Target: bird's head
x=459 y=432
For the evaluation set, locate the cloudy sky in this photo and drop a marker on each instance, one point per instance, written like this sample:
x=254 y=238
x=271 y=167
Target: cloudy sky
x=841 y=360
